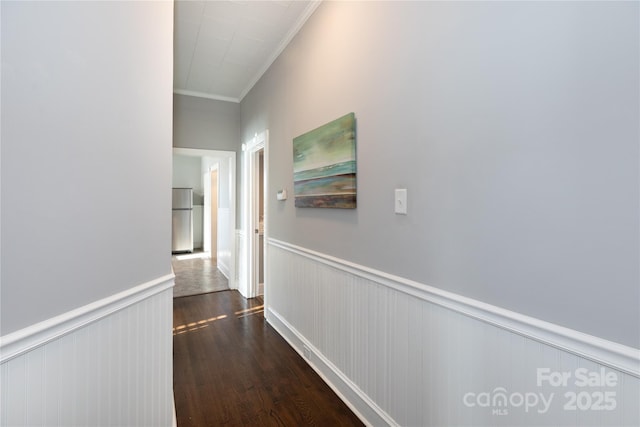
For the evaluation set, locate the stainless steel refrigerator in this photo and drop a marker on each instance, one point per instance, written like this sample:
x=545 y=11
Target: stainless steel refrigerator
x=182 y=220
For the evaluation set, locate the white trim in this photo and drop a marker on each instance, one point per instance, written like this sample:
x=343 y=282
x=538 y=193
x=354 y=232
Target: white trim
x=224 y=269
x=306 y=14
x=236 y=269
x=311 y=7
x=200 y=152
x=174 y=422
x=617 y=356
x=248 y=286
x=331 y=375
x=222 y=156
x=31 y=337
x=206 y=95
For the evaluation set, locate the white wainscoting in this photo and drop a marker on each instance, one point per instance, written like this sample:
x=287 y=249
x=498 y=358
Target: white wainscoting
x=242 y=265
x=106 y=364
x=403 y=353
x=225 y=236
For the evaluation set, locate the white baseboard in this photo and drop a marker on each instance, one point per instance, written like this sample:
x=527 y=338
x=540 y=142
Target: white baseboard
x=224 y=269
x=402 y=353
x=617 y=356
x=175 y=418
x=361 y=405
x=27 y=339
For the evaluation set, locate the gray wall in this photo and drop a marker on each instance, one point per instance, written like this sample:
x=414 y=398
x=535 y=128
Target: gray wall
x=205 y=123
x=208 y=124
x=187 y=174
x=86 y=153
x=514 y=127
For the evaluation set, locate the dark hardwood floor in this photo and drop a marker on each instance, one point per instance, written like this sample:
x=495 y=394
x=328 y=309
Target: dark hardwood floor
x=232 y=368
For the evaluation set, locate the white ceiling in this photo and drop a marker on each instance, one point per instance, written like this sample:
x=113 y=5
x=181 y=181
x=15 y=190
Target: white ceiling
x=222 y=47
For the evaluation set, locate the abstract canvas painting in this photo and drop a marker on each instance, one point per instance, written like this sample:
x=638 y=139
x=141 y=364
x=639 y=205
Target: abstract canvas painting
x=324 y=165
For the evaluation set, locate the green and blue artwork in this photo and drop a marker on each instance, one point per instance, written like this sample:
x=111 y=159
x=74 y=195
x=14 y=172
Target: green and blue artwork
x=324 y=165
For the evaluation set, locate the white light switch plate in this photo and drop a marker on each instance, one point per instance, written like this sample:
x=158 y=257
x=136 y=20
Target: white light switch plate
x=401 y=201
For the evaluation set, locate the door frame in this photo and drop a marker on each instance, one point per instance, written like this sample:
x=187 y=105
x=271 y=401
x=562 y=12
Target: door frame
x=206 y=185
x=207 y=243
x=230 y=157
x=248 y=285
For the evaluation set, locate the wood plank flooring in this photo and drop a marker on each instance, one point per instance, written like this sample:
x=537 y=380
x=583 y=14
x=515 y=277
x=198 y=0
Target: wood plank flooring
x=232 y=369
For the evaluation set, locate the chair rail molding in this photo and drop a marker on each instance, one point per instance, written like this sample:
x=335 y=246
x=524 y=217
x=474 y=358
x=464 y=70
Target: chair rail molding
x=614 y=355
x=24 y=340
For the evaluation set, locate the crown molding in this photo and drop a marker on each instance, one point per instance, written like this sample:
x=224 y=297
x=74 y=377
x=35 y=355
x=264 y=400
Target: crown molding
x=311 y=7
x=206 y=95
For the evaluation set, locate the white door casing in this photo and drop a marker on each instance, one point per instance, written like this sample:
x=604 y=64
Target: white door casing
x=248 y=272
x=212 y=159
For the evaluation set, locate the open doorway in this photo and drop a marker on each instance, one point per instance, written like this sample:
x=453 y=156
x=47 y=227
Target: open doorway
x=259 y=213
x=253 y=276
x=216 y=176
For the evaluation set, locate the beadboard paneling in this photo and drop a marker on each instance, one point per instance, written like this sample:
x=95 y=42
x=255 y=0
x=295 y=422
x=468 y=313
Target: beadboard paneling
x=114 y=371
x=224 y=242
x=400 y=359
x=242 y=265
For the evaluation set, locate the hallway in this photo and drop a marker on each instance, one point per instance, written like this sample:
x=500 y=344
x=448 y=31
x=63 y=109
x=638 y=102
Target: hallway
x=232 y=368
